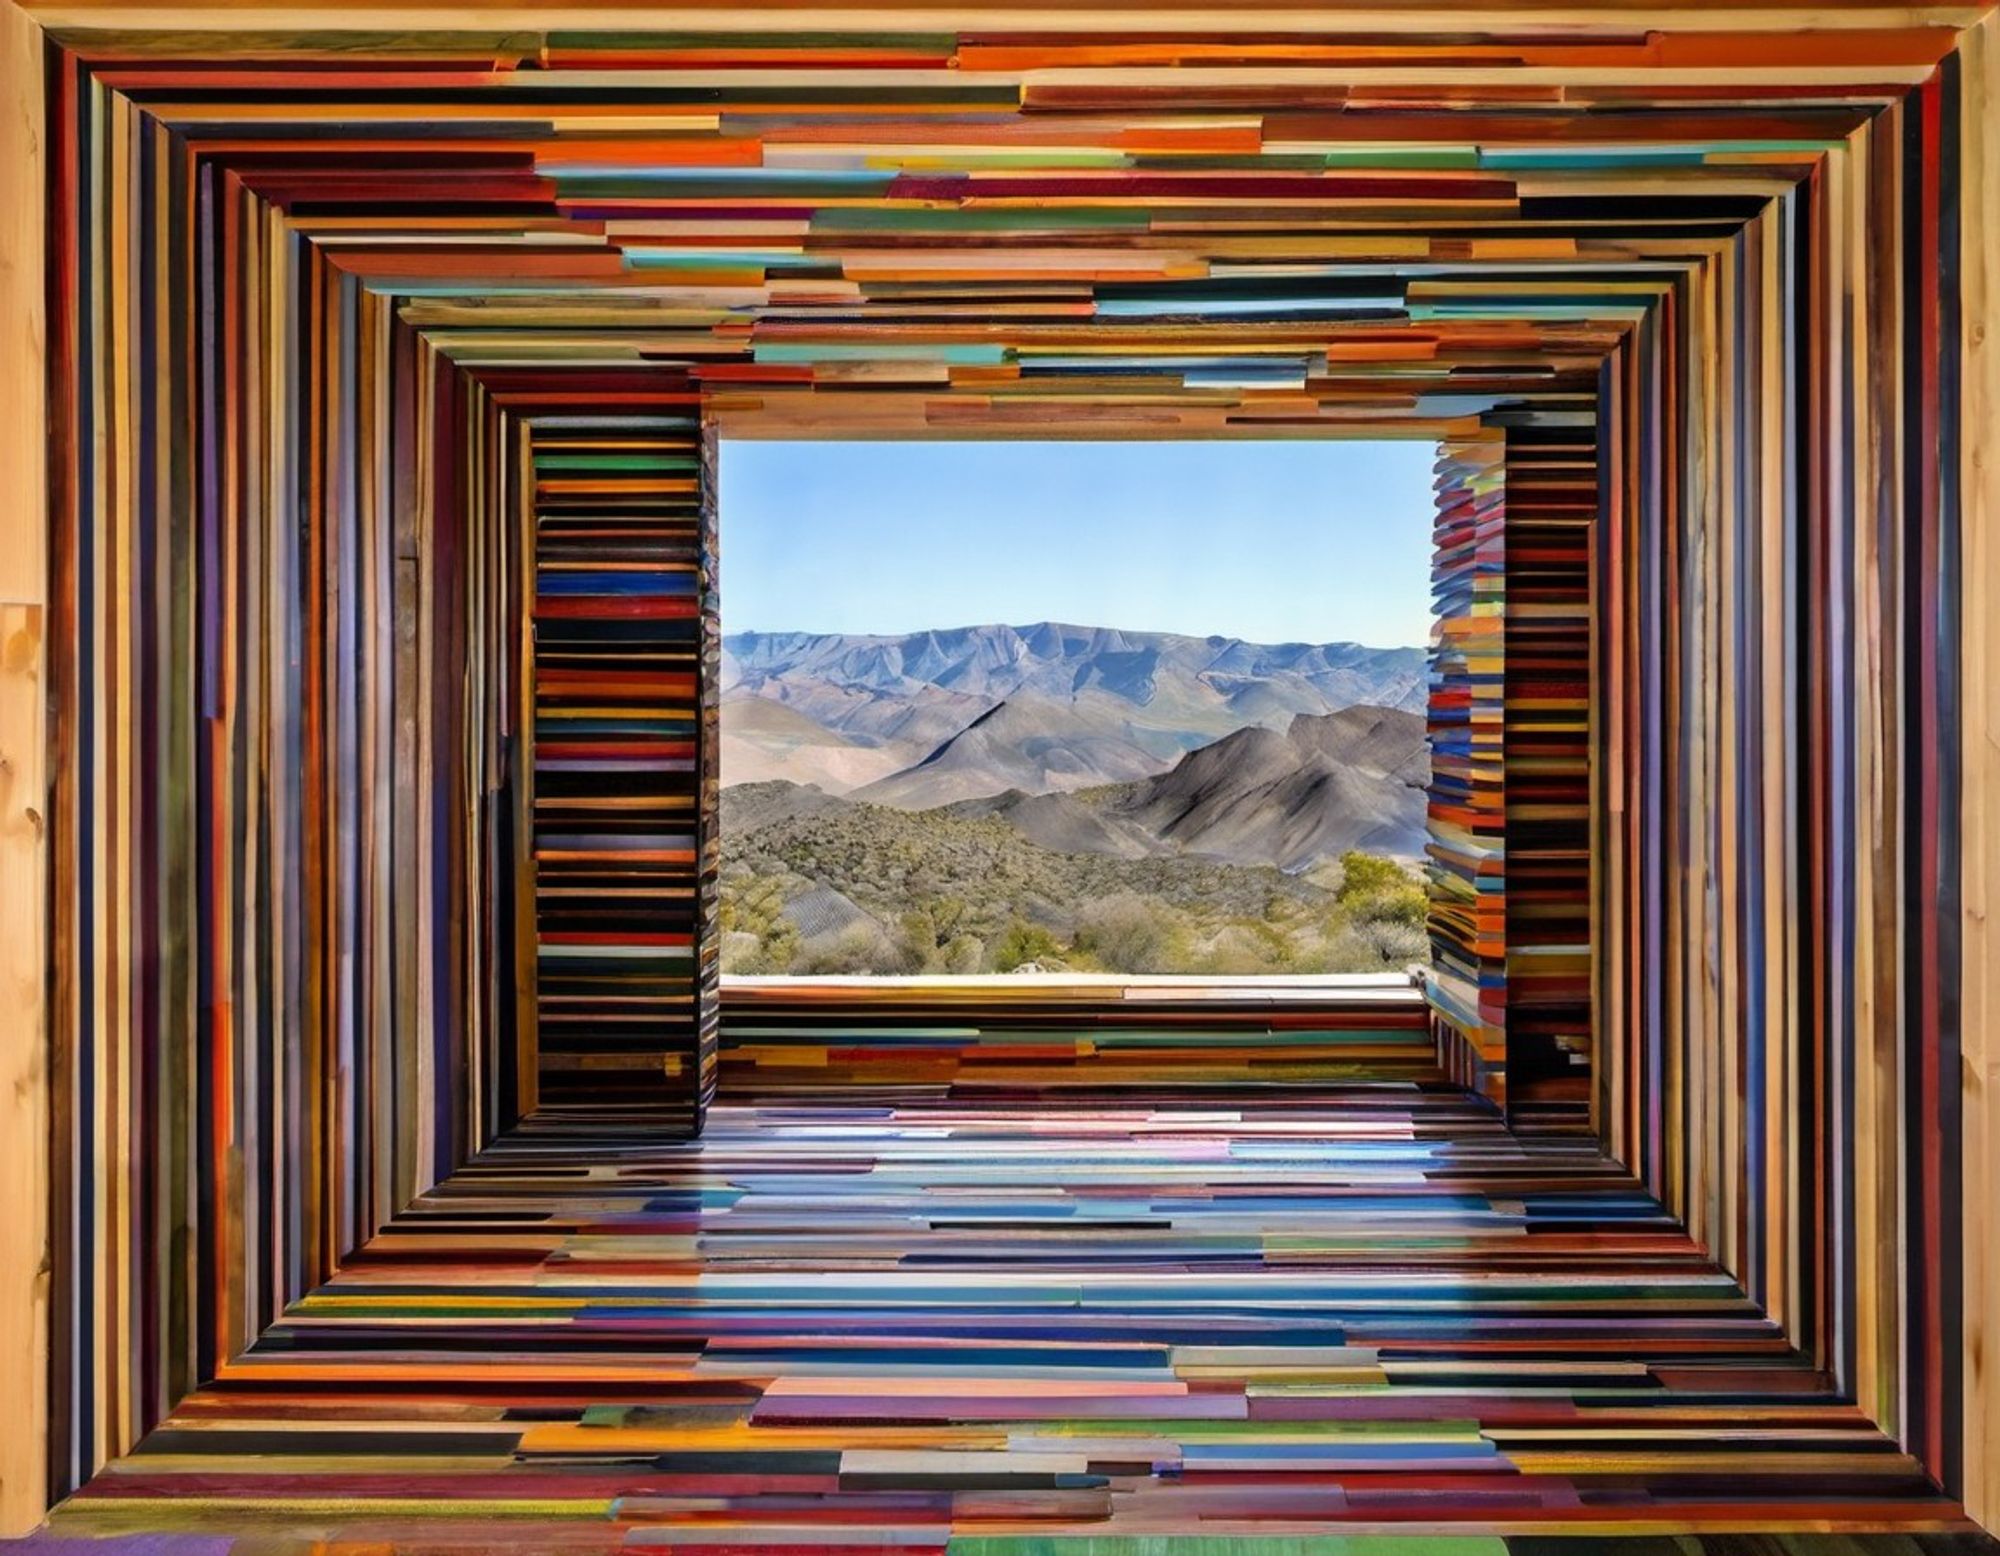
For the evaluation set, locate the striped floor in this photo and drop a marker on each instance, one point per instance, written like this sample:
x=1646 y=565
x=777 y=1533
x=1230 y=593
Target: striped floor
x=835 y=1324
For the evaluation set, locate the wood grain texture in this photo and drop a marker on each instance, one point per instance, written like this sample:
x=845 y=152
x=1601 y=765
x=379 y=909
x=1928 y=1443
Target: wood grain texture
x=1782 y=683
x=280 y=788
x=25 y=1251
x=929 y=1041
x=623 y=674
x=1552 y=514
x=1287 y=20
x=1979 y=1076
x=311 y=290
x=841 y=1323
x=1466 y=985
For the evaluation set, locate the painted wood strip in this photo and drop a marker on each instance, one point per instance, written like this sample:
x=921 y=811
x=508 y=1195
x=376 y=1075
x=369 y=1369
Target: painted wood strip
x=849 y=1324
x=306 y=292
x=1467 y=983
x=625 y=961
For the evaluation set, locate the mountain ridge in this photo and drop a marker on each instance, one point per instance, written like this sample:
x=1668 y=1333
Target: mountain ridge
x=1352 y=779
x=1024 y=742
x=979 y=659
x=1108 y=703
x=1330 y=783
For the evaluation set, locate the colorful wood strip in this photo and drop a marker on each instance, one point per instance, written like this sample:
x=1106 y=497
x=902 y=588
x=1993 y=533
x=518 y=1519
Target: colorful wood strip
x=1467 y=981
x=936 y=1041
x=1551 y=517
x=311 y=297
x=1778 y=845
x=625 y=961
x=857 y=1326
x=276 y=1004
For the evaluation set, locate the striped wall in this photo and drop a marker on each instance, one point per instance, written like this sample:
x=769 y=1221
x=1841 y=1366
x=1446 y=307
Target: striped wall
x=1467 y=851
x=968 y=1041
x=1511 y=797
x=1780 y=740
x=275 y=779
x=623 y=641
x=293 y=286
x=1551 y=520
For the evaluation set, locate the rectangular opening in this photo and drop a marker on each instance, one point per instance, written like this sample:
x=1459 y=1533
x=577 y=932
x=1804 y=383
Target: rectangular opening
x=1075 y=710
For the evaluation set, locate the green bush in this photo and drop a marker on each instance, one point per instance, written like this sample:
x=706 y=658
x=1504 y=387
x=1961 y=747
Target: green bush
x=1024 y=942
x=1381 y=891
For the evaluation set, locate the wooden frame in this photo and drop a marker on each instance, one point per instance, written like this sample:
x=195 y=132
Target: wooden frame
x=1979 y=778
x=25 y=1253
x=24 y=600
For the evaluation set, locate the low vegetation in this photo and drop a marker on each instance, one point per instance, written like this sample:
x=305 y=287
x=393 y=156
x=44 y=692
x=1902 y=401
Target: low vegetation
x=866 y=889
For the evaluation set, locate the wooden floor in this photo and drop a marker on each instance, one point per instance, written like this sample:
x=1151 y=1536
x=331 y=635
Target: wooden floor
x=839 y=1323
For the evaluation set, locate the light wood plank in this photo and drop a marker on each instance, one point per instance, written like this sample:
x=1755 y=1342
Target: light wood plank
x=24 y=1096
x=1980 y=775
x=1304 y=16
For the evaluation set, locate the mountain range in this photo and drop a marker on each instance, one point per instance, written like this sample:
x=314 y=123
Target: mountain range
x=1330 y=782
x=927 y=719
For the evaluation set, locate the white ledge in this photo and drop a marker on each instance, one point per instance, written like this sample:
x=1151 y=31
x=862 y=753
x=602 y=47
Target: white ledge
x=1296 y=988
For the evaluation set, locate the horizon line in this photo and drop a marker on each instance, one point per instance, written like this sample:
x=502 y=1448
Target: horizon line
x=1159 y=632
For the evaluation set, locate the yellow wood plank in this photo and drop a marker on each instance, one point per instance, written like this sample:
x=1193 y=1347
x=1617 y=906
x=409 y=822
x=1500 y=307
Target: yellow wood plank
x=24 y=1079
x=1980 y=777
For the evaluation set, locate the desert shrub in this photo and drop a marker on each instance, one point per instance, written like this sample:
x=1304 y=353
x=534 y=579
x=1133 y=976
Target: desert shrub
x=773 y=951
x=1125 y=933
x=1037 y=907
x=1024 y=942
x=1234 y=949
x=1341 y=948
x=965 y=954
x=740 y=951
x=1378 y=890
x=929 y=927
x=1246 y=946
x=1395 y=942
x=1367 y=875
x=964 y=895
x=859 y=948
x=752 y=906
x=1410 y=906
x=921 y=940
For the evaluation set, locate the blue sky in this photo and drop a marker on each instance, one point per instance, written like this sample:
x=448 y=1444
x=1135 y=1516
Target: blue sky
x=1277 y=542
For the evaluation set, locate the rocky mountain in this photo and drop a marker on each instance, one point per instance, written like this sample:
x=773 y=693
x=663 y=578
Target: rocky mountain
x=847 y=712
x=1239 y=859
x=1025 y=742
x=1329 y=783
x=914 y=715
x=748 y=807
x=764 y=740
x=1058 y=660
x=1066 y=823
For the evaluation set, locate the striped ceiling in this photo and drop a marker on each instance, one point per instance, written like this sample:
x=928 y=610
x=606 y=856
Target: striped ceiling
x=1123 y=221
